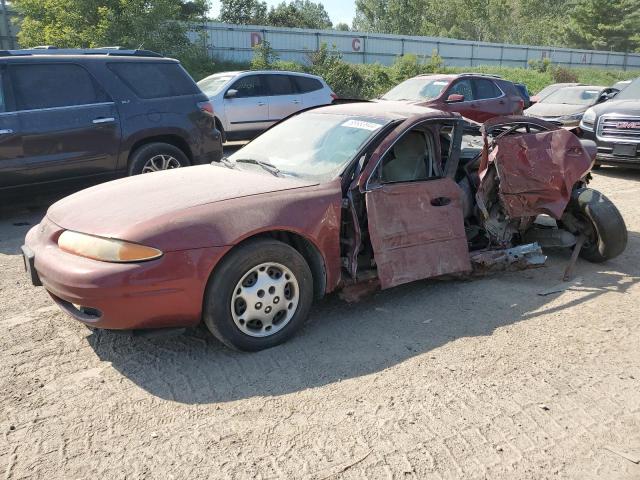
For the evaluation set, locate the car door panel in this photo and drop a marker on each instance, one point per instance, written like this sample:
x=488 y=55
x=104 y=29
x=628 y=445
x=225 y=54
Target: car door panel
x=68 y=126
x=467 y=108
x=417 y=230
x=10 y=150
x=249 y=109
x=69 y=142
x=283 y=97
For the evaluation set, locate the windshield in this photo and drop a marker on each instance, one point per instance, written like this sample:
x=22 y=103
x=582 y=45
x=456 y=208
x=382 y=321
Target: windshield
x=416 y=89
x=631 y=91
x=312 y=146
x=213 y=84
x=574 y=96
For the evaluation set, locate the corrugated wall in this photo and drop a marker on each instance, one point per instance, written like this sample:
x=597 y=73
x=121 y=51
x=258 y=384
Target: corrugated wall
x=235 y=42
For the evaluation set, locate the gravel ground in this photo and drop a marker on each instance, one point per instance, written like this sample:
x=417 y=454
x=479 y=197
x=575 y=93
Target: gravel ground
x=477 y=379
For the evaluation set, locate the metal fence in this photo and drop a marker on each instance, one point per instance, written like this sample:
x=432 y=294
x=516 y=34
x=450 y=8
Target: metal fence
x=236 y=42
x=8 y=30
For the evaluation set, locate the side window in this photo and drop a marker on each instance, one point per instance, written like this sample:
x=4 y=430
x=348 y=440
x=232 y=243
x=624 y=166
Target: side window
x=486 y=89
x=306 y=84
x=279 y=85
x=249 y=86
x=410 y=159
x=154 y=79
x=53 y=85
x=462 y=87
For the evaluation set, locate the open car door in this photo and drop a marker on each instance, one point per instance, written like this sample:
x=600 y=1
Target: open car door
x=415 y=215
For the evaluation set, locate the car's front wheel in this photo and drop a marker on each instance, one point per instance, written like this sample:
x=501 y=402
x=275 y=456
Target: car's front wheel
x=259 y=295
x=155 y=157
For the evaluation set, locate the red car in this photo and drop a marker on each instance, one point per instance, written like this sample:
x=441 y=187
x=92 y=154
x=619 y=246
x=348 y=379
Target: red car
x=330 y=197
x=475 y=96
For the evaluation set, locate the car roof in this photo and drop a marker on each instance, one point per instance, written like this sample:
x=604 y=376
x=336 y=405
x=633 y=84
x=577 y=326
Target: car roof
x=387 y=110
x=40 y=57
x=263 y=72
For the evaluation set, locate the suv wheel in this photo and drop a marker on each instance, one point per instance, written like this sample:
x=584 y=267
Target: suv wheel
x=157 y=156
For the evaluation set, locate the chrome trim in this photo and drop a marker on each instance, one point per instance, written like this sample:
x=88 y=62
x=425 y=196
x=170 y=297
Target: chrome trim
x=617 y=117
x=104 y=120
x=66 y=107
x=6 y=131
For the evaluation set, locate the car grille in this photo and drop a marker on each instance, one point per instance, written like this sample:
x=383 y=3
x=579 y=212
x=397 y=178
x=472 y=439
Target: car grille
x=619 y=128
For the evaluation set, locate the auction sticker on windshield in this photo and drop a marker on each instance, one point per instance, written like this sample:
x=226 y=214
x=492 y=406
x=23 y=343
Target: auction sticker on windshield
x=361 y=124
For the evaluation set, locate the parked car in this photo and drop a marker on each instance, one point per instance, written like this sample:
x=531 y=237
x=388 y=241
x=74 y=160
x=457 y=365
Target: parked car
x=615 y=127
x=567 y=105
x=98 y=114
x=549 y=89
x=524 y=94
x=475 y=96
x=247 y=103
x=330 y=197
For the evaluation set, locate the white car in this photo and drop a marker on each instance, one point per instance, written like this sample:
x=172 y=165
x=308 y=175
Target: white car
x=245 y=104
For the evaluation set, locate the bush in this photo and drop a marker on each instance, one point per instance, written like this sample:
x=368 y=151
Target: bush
x=564 y=75
x=264 y=56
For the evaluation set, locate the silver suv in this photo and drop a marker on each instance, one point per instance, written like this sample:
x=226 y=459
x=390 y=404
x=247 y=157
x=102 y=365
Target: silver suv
x=247 y=103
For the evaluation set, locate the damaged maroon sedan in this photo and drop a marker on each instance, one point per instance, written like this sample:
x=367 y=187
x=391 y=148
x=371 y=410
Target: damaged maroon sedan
x=328 y=198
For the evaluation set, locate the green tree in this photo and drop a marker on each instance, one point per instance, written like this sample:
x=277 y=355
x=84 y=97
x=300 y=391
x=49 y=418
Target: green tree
x=243 y=12
x=604 y=25
x=299 y=14
x=343 y=27
x=158 y=25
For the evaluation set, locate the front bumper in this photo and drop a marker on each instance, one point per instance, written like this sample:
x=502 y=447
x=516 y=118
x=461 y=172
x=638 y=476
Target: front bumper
x=606 y=156
x=167 y=292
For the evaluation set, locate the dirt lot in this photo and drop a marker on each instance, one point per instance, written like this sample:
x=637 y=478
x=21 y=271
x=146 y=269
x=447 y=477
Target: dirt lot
x=480 y=379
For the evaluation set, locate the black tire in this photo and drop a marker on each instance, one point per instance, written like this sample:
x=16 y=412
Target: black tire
x=220 y=128
x=142 y=155
x=221 y=286
x=596 y=166
x=608 y=232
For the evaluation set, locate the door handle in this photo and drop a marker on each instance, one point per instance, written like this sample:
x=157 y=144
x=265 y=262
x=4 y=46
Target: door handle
x=104 y=120
x=296 y=101
x=6 y=131
x=440 y=201
x=261 y=104
x=501 y=102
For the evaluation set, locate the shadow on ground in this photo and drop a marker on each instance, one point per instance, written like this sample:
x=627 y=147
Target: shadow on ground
x=624 y=173
x=344 y=341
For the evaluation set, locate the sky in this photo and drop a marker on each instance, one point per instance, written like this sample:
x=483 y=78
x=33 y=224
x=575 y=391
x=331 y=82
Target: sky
x=338 y=10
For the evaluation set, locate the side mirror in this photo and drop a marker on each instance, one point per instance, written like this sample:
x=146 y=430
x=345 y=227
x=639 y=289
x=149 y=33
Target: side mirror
x=231 y=93
x=455 y=98
x=535 y=99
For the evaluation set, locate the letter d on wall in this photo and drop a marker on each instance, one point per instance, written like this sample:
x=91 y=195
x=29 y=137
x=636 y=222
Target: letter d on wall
x=256 y=39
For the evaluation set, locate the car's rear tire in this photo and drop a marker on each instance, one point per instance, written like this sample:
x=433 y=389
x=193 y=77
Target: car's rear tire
x=258 y=296
x=605 y=228
x=157 y=156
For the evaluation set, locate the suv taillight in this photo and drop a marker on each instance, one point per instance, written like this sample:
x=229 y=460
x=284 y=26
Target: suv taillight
x=206 y=107
x=334 y=96
x=521 y=103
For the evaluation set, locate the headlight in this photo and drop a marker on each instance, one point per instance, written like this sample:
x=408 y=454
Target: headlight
x=105 y=249
x=588 y=119
x=574 y=116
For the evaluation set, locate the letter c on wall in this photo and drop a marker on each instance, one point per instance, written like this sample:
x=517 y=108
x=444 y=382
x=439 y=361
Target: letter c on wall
x=356 y=44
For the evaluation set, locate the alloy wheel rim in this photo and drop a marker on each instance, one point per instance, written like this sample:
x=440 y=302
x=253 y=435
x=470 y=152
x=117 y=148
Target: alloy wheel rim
x=265 y=300
x=160 y=162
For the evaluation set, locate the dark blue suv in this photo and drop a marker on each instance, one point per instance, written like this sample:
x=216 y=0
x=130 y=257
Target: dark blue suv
x=98 y=114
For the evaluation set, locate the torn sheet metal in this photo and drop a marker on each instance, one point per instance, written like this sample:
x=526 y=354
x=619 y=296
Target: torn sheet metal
x=516 y=258
x=537 y=171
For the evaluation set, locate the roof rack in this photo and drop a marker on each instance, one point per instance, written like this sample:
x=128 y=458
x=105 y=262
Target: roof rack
x=52 y=50
x=491 y=75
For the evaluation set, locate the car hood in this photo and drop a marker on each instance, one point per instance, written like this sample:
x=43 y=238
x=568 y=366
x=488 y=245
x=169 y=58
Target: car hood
x=554 y=109
x=119 y=208
x=621 y=107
